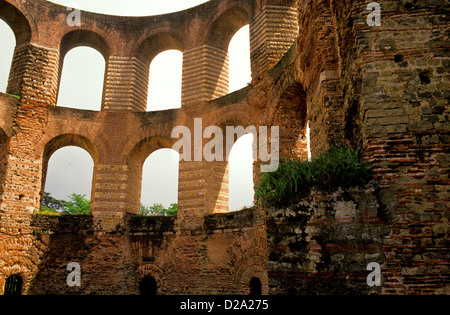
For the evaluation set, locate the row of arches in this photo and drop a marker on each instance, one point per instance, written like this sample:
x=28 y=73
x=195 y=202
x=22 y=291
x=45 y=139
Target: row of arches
x=83 y=72
x=70 y=170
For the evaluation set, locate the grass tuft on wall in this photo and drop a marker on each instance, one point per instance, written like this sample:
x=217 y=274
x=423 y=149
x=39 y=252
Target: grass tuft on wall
x=295 y=177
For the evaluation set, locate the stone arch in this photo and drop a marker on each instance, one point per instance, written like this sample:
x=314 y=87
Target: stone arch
x=87 y=38
x=248 y=259
x=240 y=173
x=61 y=141
x=223 y=27
x=78 y=38
x=232 y=129
x=17 y=21
x=291 y=103
x=82 y=87
x=218 y=37
x=150 y=47
x=239 y=67
x=150 y=271
x=147 y=146
x=165 y=81
x=136 y=159
x=159 y=180
x=235 y=118
x=17 y=269
x=167 y=262
x=146 y=51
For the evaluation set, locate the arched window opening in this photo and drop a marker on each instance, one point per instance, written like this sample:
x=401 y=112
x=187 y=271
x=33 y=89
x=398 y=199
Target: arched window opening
x=239 y=60
x=69 y=172
x=8 y=41
x=240 y=177
x=159 y=190
x=148 y=286
x=255 y=286
x=13 y=285
x=164 y=91
x=82 y=77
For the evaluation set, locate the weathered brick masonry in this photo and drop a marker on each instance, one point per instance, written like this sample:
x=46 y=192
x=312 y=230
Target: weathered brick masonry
x=381 y=89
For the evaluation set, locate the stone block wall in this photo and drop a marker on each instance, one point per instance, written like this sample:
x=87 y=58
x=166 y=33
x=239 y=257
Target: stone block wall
x=323 y=244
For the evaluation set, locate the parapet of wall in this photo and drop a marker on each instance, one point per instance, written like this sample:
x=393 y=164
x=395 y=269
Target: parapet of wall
x=222 y=256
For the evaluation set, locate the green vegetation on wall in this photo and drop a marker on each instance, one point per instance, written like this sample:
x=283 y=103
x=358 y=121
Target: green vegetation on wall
x=77 y=204
x=158 y=209
x=295 y=177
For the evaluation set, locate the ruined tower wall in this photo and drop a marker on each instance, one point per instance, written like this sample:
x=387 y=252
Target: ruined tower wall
x=385 y=93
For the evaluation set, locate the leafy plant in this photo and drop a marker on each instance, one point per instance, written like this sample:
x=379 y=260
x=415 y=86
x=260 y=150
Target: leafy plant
x=338 y=167
x=158 y=209
x=77 y=204
x=51 y=204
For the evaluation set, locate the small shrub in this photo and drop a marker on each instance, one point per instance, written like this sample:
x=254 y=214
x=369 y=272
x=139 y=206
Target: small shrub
x=338 y=167
x=48 y=211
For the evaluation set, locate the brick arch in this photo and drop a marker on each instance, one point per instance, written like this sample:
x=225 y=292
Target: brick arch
x=150 y=270
x=234 y=119
x=224 y=26
x=77 y=38
x=167 y=262
x=71 y=134
x=80 y=37
x=136 y=158
x=61 y=141
x=251 y=270
x=292 y=104
x=147 y=146
x=19 y=269
x=69 y=139
x=17 y=21
x=150 y=47
x=247 y=260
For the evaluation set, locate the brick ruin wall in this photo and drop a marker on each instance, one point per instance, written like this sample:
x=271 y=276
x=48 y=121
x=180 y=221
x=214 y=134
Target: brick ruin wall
x=383 y=90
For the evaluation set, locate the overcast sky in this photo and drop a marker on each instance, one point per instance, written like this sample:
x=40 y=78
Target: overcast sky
x=81 y=87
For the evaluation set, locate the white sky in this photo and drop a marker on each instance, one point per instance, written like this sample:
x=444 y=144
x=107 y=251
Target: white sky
x=81 y=88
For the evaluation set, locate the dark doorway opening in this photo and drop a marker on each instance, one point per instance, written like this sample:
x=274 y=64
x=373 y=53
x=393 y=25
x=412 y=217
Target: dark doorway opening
x=255 y=286
x=148 y=286
x=13 y=285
